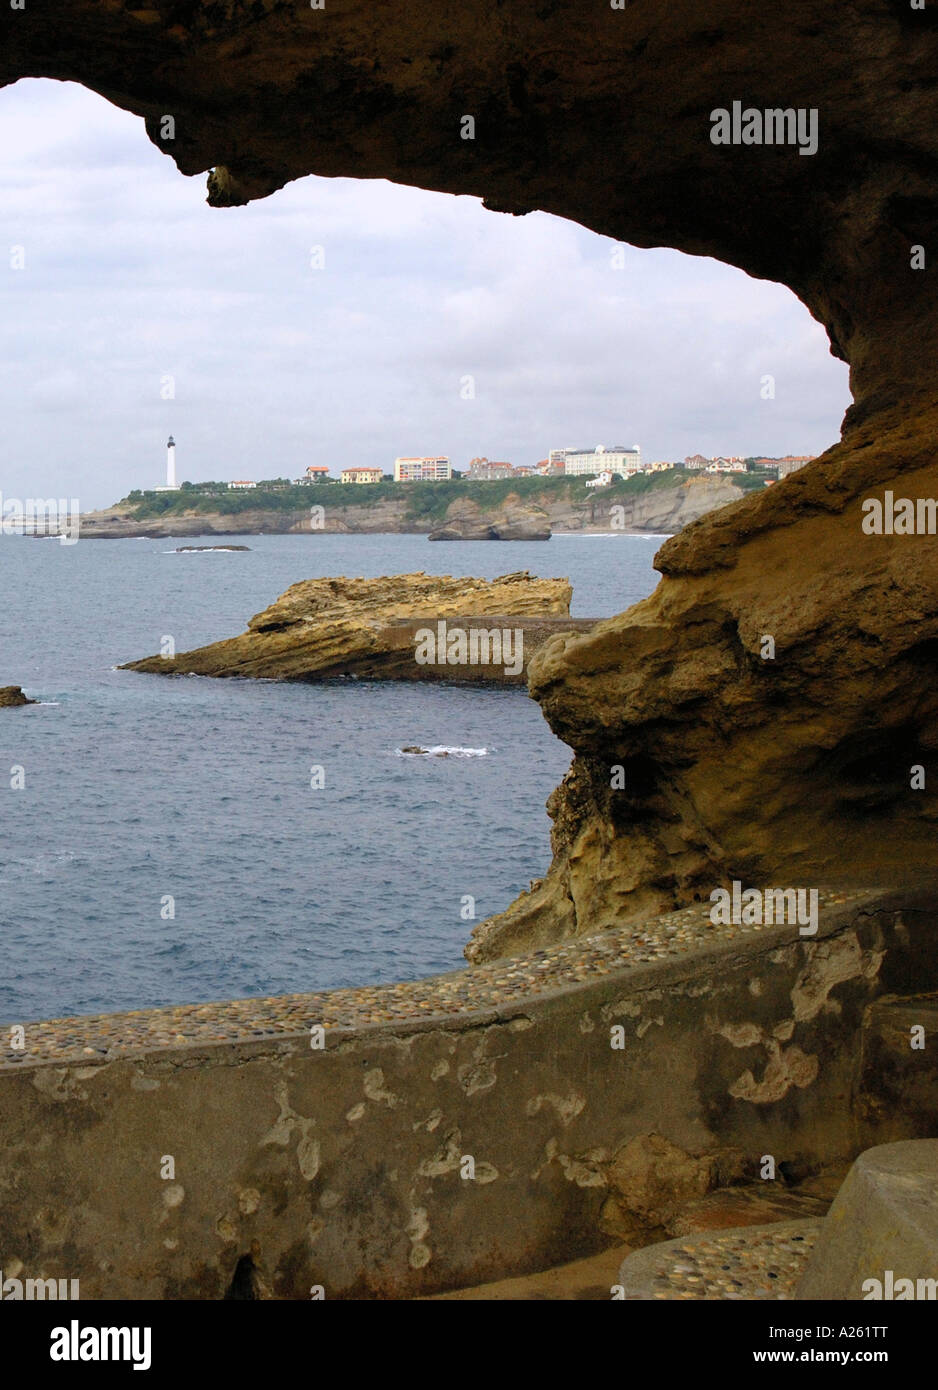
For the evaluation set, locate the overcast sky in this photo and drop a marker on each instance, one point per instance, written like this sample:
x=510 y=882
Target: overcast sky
x=129 y=277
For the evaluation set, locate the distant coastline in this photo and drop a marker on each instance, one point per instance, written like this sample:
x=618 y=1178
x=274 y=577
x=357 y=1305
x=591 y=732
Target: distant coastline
x=663 y=502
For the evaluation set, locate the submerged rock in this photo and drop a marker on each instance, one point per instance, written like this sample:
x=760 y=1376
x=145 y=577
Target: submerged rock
x=187 y=549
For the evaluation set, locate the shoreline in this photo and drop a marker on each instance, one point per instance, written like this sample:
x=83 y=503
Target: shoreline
x=185 y=532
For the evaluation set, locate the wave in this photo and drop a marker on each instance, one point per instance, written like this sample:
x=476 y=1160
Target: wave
x=40 y=864
x=615 y=535
x=440 y=750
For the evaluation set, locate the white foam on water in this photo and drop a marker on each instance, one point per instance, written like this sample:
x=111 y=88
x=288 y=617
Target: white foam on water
x=614 y=535
x=443 y=750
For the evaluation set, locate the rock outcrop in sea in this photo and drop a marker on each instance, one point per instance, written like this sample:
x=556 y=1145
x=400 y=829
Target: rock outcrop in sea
x=467 y=521
x=399 y=627
x=12 y=696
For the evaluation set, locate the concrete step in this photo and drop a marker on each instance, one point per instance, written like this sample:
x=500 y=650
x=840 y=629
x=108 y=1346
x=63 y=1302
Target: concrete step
x=882 y=1227
x=726 y=1211
x=590 y=1280
x=756 y=1204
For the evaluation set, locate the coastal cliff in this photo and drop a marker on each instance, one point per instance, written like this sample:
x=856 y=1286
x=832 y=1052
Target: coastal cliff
x=481 y=511
x=400 y=627
x=467 y=521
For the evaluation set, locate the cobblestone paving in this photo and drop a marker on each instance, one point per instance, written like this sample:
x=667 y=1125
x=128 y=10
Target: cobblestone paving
x=753 y=1262
x=489 y=987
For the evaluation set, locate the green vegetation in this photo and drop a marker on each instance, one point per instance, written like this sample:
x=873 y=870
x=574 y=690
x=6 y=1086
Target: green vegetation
x=752 y=480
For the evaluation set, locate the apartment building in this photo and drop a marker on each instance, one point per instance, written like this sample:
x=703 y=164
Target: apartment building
x=792 y=463
x=430 y=469
x=618 y=459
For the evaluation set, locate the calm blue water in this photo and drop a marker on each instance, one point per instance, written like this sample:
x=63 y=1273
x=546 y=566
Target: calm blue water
x=139 y=787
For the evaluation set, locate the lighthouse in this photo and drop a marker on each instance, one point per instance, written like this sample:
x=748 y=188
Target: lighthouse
x=171 y=462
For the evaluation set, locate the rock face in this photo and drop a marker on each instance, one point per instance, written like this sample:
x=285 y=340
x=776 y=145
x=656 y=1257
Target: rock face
x=387 y=515
x=819 y=759
x=401 y=627
x=658 y=509
x=466 y=521
x=11 y=696
x=767 y=720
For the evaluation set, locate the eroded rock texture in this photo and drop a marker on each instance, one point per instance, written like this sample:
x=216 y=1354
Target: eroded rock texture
x=375 y=629
x=733 y=764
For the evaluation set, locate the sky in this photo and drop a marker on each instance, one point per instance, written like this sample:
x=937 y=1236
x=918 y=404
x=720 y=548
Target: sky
x=422 y=324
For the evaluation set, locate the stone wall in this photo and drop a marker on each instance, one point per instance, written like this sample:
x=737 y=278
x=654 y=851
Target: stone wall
x=343 y=1166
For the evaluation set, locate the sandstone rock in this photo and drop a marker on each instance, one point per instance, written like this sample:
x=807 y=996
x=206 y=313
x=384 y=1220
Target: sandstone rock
x=467 y=521
x=323 y=628
x=651 y=1180
x=12 y=695
x=527 y=526
x=795 y=767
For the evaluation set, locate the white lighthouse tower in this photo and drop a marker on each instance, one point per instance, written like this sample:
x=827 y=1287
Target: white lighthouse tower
x=171 y=484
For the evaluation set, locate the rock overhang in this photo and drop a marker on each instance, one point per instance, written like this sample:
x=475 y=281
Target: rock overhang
x=600 y=115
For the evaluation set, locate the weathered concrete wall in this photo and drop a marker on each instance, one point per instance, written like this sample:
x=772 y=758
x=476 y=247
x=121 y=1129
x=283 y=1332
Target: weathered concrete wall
x=341 y=1167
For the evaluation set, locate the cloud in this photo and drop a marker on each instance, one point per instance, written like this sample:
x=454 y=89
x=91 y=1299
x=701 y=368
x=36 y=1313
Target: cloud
x=128 y=275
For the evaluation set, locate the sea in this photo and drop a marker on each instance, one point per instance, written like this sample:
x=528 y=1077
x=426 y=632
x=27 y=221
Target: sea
x=160 y=839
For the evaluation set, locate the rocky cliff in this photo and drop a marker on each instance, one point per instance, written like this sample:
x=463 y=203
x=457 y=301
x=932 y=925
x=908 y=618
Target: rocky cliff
x=821 y=757
x=467 y=521
x=770 y=713
x=401 y=627
x=531 y=517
